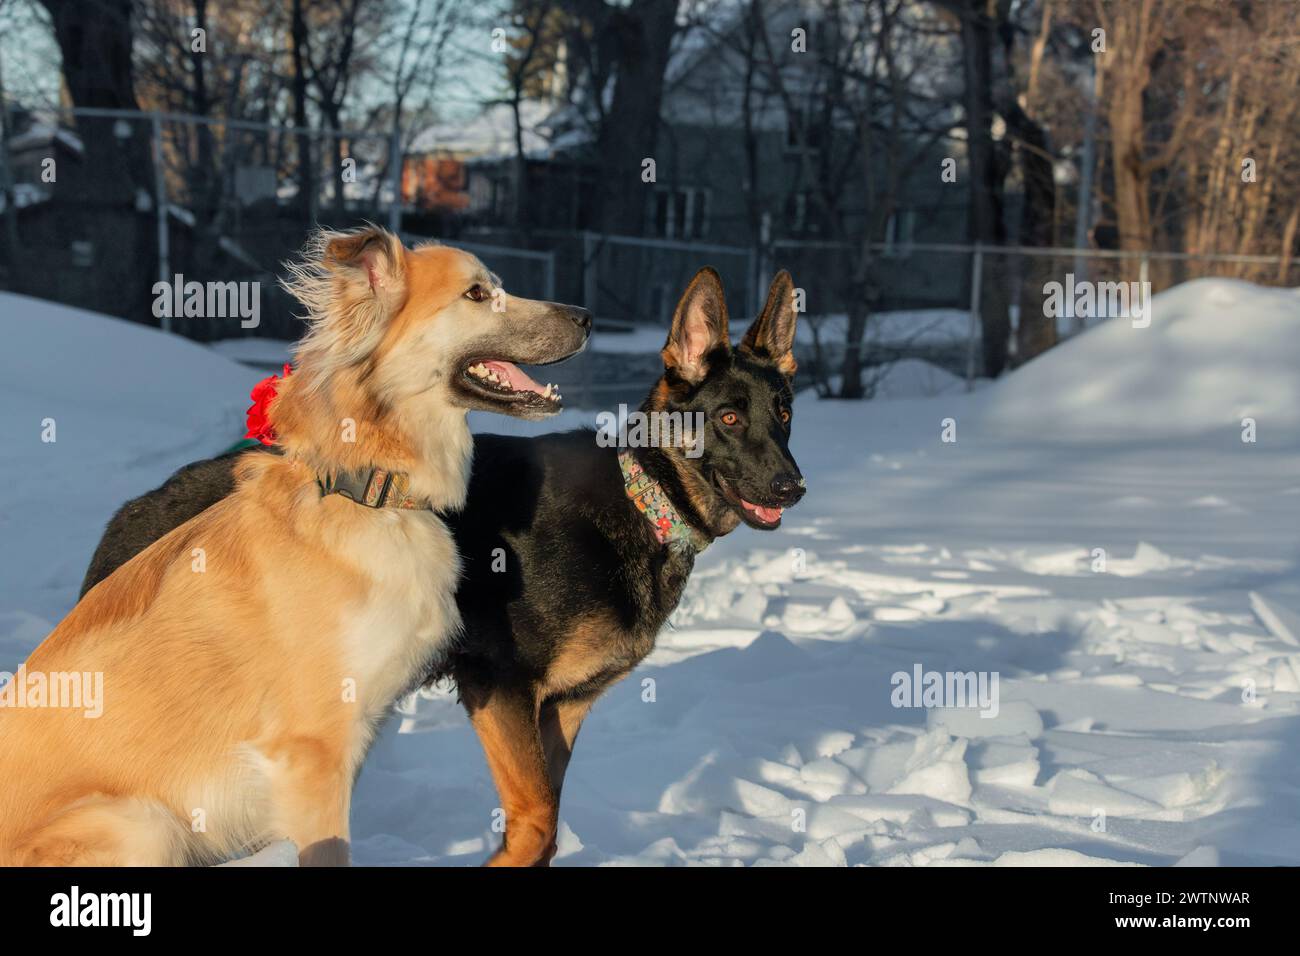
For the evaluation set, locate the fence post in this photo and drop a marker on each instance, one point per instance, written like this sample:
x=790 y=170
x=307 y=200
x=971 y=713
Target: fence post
x=548 y=280
x=160 y=209
x=589 y=271
x=751 y=282
x=976 y=288
x=7 y=184
x=589 y=303
x=395 y=177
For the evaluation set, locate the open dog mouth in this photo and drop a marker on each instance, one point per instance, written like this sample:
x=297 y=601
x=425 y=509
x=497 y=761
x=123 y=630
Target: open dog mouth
x=763 y=517
x=506 y=382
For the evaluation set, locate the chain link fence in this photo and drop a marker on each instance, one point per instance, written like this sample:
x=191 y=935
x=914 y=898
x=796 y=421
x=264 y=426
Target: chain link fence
x=975 y=310
x=101 y=205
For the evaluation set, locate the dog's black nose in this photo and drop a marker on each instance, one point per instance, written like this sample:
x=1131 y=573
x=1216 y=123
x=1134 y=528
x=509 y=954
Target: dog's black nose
x=788 y=489
x=581 y=318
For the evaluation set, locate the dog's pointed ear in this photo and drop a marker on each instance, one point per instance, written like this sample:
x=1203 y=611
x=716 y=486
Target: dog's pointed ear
x=772 y=334
x=351 y=283
x=369 y=255
x=699 y=328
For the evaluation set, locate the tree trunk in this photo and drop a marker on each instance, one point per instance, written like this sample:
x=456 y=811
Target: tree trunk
x=95 y=40
x=522 y=217
x=307 y=198
x=1132 y=205
x=1132 y=36
x=12 y=244
x=206 y=183
x=984 y=202
x=1037 y=331
x=643 y=31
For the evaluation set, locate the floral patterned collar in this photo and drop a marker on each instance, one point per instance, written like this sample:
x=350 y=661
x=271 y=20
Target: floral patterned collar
x=653 y=502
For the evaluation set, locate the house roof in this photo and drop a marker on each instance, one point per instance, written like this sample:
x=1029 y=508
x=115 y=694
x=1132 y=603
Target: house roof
x=42 y=134
x=490 y=134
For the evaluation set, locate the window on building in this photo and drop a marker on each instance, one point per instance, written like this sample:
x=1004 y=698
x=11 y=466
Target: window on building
x=700 y=215
x=502 y=201
x=802 y=131
x=801 y=214
x=681 y=213
x=900 y=232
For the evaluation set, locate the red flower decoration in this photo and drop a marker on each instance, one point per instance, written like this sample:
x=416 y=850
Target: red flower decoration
x=259 y=424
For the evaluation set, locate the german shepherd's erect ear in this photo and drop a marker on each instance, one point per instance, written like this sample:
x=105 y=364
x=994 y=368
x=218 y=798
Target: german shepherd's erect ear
x=699 y=328
x=771 y=336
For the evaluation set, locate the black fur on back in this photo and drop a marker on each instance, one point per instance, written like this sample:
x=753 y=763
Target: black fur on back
x=547 y=538
x=142 y=521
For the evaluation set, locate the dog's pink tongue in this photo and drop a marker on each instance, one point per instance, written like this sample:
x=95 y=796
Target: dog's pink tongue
x=516 y=376
x=765 y=515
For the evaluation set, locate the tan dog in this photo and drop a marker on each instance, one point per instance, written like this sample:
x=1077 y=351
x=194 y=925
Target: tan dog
x=249 y=655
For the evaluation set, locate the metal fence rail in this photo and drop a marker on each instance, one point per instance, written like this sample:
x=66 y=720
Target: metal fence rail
x=237 y=210
x=240 y=215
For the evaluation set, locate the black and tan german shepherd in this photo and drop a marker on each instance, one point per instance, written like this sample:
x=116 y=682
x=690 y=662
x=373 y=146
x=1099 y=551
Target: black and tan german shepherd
x=588 y=578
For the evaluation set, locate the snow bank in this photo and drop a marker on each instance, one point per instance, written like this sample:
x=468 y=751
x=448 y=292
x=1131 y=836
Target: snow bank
x=58 y=357
x=1216 y=351
x=916 y=378
x=93 y=411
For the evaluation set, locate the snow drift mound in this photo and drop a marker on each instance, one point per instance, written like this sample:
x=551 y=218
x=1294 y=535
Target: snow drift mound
x=60 y=359
x=93 y=411
x=1216 y=351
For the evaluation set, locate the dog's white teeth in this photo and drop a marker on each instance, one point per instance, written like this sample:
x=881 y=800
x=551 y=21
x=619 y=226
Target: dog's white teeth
x=481 y=371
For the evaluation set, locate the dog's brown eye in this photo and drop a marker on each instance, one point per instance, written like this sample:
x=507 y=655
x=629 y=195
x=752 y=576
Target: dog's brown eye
x=785 y=416
x=477 y=293
x=730 y=418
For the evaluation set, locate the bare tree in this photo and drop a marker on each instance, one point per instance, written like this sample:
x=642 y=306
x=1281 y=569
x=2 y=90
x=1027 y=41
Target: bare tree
x=626 y=45
x=329 y=51
x=96 y=40
x=307 y=189
x=1136 y=33
x=1036 y=331
x=1239 y=190
x=422 y=41
x=860 y=102
x=533 y=54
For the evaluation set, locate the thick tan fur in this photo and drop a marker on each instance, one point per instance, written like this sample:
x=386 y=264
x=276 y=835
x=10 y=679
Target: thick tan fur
x=249 y=655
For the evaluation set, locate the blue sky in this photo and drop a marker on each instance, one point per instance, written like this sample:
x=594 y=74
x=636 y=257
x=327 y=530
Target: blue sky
x=30 y=61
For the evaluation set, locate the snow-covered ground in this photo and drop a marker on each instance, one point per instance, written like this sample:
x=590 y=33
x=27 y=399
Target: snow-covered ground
x=1146 y=713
